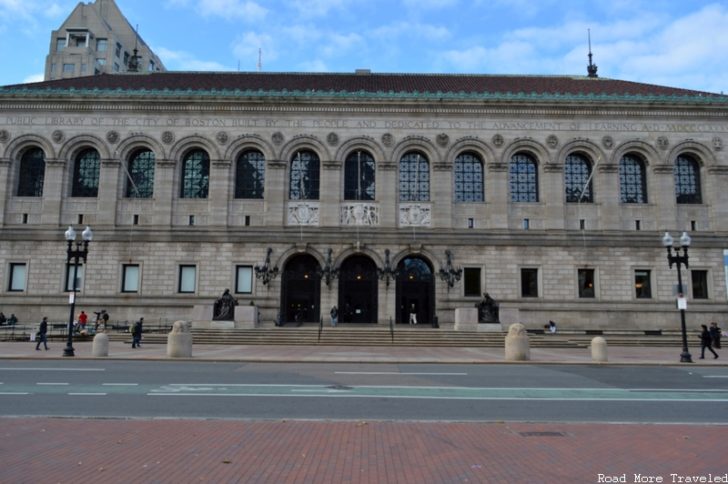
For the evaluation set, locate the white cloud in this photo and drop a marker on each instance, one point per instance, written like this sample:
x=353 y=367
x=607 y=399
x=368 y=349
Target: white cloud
x=34 y=78
x=184 y=61
x=412 y=30
x=245 y=48
x=429 y=4
x=314 y=65
x=227 y=9
x=318 y=8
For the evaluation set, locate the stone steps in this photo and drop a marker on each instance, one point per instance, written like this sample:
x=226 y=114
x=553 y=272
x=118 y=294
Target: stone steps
x=402 y=337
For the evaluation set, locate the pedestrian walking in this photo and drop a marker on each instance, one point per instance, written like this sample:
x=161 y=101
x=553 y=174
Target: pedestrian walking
x=715 y=333
x=12 y=320
x=136 y=333
x=334 y=316
x=413 y=314
x=706 y=341
x=42 y=335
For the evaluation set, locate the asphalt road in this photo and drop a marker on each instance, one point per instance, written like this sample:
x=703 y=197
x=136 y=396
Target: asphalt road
x=444 y=392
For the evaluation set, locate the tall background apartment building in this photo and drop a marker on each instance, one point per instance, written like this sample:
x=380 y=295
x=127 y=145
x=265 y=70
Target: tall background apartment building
x=96 y=38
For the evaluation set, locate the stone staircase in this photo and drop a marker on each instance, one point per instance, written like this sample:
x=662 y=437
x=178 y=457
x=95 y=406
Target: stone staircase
x=405 y=336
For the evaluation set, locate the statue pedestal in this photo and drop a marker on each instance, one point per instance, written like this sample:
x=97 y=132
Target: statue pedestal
x=466 y=319
x=510 y=316
x=246 y=317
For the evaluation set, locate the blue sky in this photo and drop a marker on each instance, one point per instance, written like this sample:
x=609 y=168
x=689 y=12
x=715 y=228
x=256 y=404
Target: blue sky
x=679 y=43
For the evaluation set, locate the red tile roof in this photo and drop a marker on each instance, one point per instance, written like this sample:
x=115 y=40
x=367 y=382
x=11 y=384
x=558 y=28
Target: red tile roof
x=361 y=82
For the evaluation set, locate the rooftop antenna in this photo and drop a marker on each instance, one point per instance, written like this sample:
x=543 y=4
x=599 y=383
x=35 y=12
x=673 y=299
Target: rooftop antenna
x=260 y=59
x=591 y=68
x=134 y=59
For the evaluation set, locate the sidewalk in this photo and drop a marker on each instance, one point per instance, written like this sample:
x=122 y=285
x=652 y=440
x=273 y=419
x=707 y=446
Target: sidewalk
x=621 y=355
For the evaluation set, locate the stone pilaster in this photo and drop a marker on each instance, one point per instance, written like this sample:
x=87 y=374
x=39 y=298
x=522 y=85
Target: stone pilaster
x=607 y=196
x=662 y=196
x=553 y=197
x=441 y=195
x=108 y=192
x=496 y=191
x=330 y=195
x=387 y=194
x=164 y=192
x=220 y=187
x=716 y=196
x=275 y=193
x=53 y=190
x=5 y=188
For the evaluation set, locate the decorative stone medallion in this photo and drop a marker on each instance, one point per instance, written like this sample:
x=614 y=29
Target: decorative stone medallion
x=332 y=139
x=608 y=142
x=663 y=143
x=387 y=139
x=717 y=144
x=168 y=137
x=552 y=141
x=4 y=136
x=278 y=138
x=58 y=136
x=112 y=137
x=442 y=140
x=222 y=137
x=498 y=140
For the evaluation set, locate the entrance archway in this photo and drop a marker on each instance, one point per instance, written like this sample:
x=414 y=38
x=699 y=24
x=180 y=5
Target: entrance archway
x=415 y=289
x=301 y=290
x=358 y=290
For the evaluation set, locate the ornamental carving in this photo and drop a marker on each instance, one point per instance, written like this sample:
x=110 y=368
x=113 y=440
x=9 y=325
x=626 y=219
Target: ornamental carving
x=4 y=136
x=552 y=141
x=442 y=140
x=415 y=215
x=608 y=142
x=168 y=137
x=663 y=143
x=278 y=138
x=222 y=137
x=387 y=140
x=498 y=140
x=717 y=144
x=58 y=136
x=303 y=213
x=112 y=137
x=332 y=139
x=359 y=214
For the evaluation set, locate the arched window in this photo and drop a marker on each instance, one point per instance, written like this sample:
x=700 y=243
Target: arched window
x=304 y=181
x=140 y=177
x=195 y=174
x=687 y=180
x=468 y=169
x=632 y=180
x=577 y=179
x=86 y=174
x=31 y=173
x=250 y=175
x=414 y=178
x=359 y=172
x=523 y=178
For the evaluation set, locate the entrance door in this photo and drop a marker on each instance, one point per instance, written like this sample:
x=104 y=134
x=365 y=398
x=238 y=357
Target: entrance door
x=415 y=291
x=301 y=290
x=358 y=290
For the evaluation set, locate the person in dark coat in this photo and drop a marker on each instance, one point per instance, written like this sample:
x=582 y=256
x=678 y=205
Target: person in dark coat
x=136 y=333
x=706 y=341
x=715 y=334
x=42 y=335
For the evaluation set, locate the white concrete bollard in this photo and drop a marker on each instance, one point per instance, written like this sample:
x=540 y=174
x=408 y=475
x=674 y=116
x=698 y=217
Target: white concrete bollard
x=100 y=346
x=179 y=341
x=517 y=348
x=599 y=349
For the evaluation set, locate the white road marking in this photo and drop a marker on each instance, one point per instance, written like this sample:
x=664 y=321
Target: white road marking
x=54 y=384
x=120 y=384
x=395 y=373
x=13 y=393
x=715 y=376
x=52 y=369
x=87 y=394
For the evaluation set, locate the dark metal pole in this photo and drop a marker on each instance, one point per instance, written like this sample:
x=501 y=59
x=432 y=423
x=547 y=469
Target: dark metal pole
x=68 y=350
x=685 y=356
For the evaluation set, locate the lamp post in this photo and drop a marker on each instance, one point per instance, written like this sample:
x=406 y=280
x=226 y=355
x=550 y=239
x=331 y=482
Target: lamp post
x=679 y=259
x=75 y=252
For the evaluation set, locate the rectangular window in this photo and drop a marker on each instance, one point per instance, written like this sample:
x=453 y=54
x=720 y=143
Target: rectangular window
x=101 y=61
x=471 y=281
x=244 y=279
x=642 y=284
x=17 y=277
x=130 y=278
x=586 y=283
x=126 y=58
x=60 y=44
x=529 y=282
x=151 y=66
x=187 y=279
x=118 y=50
x=102 y=45
x=84 y=68
x=116 y=67
x=700 y=284
x=69 y=68
x=69 y=277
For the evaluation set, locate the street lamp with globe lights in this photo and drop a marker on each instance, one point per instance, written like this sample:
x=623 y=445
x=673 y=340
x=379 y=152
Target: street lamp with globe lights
x=678 y=259
x=76 y=251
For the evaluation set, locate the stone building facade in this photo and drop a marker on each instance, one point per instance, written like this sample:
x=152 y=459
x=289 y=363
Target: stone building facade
x=381 y=194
